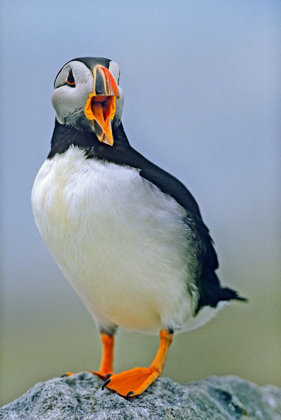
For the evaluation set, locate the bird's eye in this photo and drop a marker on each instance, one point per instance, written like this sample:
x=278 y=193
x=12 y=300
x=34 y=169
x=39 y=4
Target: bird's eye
x=70 y=81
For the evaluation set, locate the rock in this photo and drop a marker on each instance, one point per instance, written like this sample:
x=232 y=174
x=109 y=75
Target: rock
x=81 y=397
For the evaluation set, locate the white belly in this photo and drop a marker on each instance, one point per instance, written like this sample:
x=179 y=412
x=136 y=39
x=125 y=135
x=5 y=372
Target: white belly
x=118 y=239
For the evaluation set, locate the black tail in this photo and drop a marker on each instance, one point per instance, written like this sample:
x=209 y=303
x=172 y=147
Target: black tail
x=229 y=294
x=211 y=291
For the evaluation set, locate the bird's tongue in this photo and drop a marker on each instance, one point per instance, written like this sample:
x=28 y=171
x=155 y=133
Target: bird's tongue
x=102 y=109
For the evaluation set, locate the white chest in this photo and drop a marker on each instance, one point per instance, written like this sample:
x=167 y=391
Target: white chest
x=118 y=239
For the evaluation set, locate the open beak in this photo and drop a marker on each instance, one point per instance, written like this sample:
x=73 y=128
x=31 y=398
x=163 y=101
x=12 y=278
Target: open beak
x=101 y=104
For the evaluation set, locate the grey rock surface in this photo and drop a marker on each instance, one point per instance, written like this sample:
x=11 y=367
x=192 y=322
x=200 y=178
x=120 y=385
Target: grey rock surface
x=81 y=397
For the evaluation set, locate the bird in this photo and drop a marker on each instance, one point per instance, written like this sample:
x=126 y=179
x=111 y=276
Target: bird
x=127 y=235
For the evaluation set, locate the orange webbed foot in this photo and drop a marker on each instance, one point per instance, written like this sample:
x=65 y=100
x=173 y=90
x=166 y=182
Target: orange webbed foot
x=131 y=383
x=102 y=375
x=66 y=374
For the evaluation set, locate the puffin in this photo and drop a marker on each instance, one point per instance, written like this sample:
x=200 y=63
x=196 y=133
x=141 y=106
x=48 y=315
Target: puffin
x=127 y=235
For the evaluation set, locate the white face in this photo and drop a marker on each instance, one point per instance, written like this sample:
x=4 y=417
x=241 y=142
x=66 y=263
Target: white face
x=69 y=100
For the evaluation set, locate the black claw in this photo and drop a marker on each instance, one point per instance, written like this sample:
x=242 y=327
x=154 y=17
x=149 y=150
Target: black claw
x=105 y=383
x=64 y=375
x=108 y=375
x=130 y=393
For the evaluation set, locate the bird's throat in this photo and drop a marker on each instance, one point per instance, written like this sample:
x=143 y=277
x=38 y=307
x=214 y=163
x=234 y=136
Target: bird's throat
x=100 y=110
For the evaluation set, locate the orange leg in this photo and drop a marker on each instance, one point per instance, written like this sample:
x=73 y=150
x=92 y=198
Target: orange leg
x=106 y=366
x=131 y=383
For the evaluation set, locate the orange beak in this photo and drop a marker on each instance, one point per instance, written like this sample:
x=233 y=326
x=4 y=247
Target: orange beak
x=101 y=104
